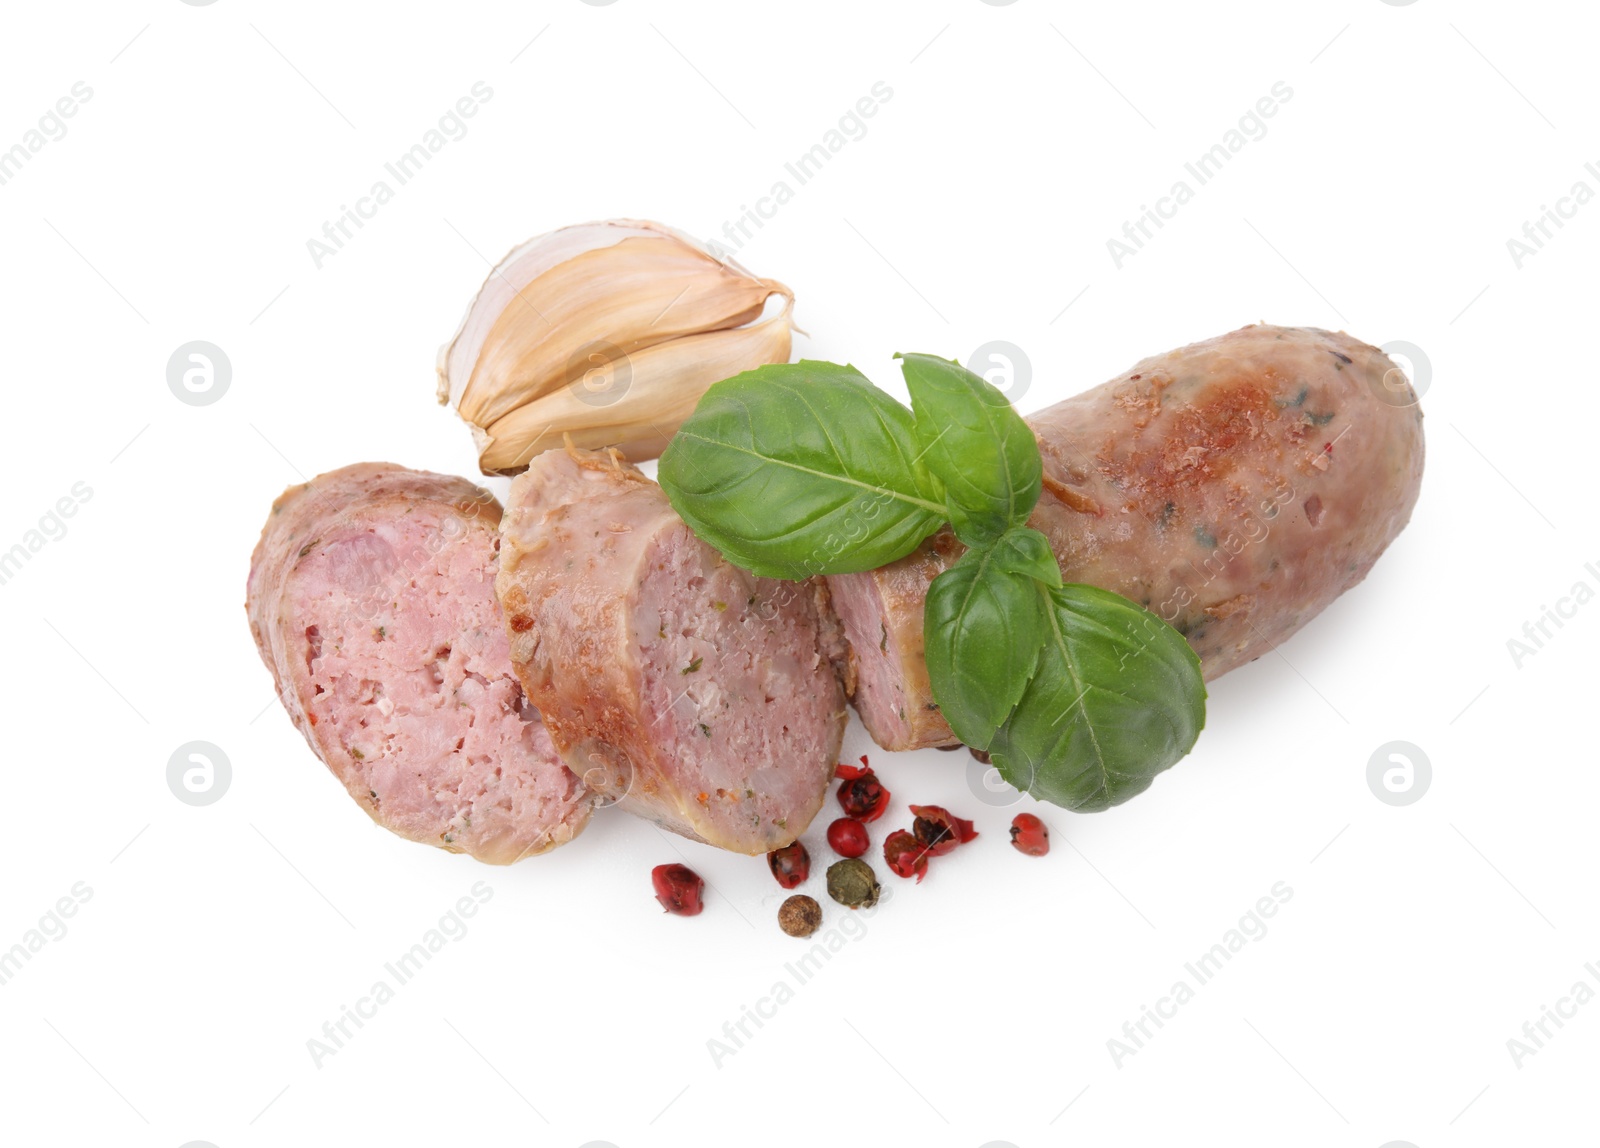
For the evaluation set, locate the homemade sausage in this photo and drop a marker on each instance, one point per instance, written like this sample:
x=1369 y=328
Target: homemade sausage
x=686 y=689
x=371 y=599
x=1235 y=487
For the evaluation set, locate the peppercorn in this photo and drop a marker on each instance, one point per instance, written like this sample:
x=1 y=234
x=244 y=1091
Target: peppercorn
x=800 y=916
x=1029 y=835
x=862 y=795
x=950 y=748
x=848 y=837
x=939 y=830
x=791 y=865
x=907 y=857
x=679 y=889
x=981 y=754
x=852 y=883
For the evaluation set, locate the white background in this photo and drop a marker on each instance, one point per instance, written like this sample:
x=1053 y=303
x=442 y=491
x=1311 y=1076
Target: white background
x=976 y=1007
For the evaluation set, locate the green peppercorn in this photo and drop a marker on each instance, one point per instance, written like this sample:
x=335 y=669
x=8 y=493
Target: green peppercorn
x=800 y=916
x=851 y=882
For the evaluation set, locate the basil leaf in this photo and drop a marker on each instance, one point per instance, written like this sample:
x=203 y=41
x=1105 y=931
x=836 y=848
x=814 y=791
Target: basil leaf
x=795 y=469
x=982 y=626
x=1024 y=550
x=977 y=444
x=1116 y=699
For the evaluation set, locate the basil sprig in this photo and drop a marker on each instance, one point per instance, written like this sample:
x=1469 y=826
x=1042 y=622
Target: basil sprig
x=1080 y=696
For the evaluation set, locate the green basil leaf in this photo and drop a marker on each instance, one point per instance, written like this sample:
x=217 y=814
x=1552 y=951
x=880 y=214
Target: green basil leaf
x=1116 y=699
x=1024 y=550
x=796 y=469
x=982 y=627
x=977 y=444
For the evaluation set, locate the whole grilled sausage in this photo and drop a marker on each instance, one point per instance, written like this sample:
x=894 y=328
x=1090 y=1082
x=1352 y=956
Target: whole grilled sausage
x=1235 y=487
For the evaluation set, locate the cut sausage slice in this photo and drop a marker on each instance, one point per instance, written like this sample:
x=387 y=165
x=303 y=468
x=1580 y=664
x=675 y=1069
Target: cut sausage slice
x=371 y=598
x=686 y=689
x=1235 y=487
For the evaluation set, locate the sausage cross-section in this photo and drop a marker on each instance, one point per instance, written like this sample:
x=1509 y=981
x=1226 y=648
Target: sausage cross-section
x=684 y=688
x=1235 y=487
x=371 y=599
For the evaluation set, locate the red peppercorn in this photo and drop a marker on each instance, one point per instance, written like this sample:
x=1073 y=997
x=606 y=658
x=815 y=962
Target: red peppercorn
x=862 y=795
x=906 y=856
x=678 y=888
x=791 y=865
x=938 y=830
x=1029 y=835
x=848 y=837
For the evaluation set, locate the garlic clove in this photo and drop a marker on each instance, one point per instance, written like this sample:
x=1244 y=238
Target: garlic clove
x=634 y=402
x=619 y=287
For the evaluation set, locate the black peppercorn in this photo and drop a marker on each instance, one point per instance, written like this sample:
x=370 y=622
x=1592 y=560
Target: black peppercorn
x=800 y=916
